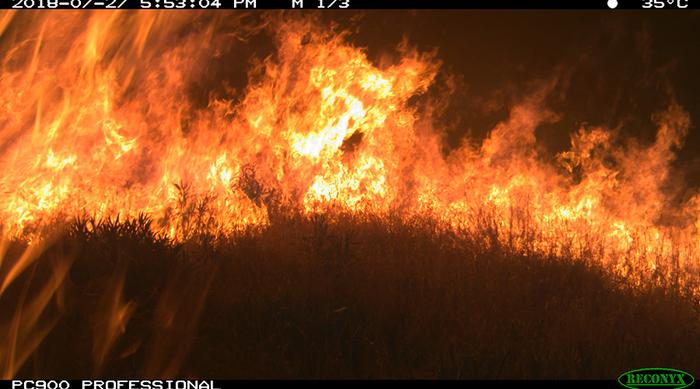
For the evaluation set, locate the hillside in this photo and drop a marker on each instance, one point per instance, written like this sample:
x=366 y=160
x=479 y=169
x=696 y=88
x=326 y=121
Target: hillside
x=346 y=297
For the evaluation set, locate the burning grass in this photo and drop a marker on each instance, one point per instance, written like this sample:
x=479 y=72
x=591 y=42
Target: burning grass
x=328 y=296
x=319 y=227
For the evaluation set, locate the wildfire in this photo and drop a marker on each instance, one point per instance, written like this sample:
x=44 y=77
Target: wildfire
x=96 y=118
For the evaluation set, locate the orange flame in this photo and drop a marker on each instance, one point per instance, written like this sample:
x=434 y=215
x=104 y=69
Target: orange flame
x=96 y=118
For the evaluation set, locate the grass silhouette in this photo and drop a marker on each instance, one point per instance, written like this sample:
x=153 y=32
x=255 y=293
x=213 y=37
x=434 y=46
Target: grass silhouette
x=328 y=296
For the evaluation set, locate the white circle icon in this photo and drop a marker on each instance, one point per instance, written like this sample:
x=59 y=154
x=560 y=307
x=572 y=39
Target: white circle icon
x=612 y=4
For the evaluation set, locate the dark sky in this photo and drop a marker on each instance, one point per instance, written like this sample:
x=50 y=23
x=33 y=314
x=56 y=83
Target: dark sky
x=614 y=68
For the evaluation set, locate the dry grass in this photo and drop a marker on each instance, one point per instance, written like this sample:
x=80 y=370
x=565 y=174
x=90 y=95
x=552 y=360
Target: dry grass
x=347 y=297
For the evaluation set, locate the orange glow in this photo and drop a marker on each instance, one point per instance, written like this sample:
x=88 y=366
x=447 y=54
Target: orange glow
x=96 y=119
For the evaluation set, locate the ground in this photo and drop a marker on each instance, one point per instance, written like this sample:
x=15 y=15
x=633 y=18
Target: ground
x=321 y=298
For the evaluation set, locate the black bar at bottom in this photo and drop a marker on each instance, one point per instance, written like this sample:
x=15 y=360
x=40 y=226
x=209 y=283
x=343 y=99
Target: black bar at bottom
x=47 y=383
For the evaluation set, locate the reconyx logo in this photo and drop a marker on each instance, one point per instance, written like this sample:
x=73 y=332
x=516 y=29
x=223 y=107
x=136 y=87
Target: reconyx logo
x=656 y=377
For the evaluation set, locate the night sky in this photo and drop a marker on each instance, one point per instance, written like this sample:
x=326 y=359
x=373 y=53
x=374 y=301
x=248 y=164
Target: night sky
x=610 y=68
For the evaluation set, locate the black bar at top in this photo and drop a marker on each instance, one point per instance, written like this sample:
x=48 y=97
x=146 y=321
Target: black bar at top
x=610 y=5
